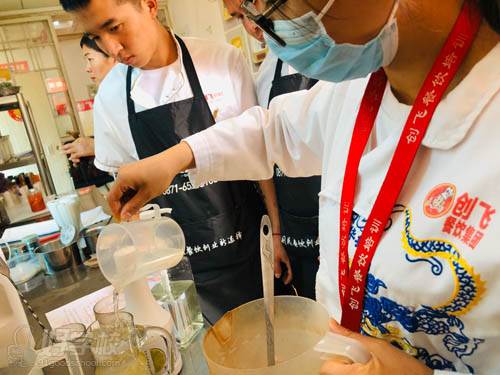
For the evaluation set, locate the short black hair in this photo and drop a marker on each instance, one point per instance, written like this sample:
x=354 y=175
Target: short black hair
x=74 y=5
x=490 y=9
x=91 y=43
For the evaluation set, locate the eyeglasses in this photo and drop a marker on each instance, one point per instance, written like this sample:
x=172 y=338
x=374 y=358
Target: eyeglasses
x=263 y=19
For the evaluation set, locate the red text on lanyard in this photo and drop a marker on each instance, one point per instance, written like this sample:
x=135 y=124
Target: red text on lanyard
x=352 y=281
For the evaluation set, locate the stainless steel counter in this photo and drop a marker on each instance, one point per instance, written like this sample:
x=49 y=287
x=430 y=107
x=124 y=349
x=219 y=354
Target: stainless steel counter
x=71 y=285
x=193 y=360
x=58 y=291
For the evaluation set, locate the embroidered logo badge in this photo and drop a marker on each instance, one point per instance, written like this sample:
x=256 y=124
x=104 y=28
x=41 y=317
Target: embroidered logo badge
x=439 y=200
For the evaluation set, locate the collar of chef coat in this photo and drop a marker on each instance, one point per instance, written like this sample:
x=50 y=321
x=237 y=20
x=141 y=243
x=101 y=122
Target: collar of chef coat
x=458 y=110
x=174 y=80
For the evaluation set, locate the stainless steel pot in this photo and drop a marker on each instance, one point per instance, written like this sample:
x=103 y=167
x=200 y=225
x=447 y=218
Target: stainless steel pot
x=55 y=257
x=90 y=236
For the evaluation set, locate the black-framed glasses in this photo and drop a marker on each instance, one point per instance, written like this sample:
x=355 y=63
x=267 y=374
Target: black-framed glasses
x=263 y=19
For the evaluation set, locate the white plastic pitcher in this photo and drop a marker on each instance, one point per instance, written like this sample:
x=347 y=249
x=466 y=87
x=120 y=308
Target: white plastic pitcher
x=128 y=252
x=131 y=251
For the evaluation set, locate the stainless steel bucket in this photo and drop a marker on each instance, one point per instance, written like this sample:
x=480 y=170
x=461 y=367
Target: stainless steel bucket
x=55 y=257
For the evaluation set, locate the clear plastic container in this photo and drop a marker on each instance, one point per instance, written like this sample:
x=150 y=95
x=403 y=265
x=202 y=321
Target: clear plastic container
x=105 y=309
x=237 y=343
x=130 y=251
x=175 y=290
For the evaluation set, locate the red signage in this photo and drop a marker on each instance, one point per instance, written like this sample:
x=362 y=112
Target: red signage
x=17 y=66
x=85 y=105
x=55 y=85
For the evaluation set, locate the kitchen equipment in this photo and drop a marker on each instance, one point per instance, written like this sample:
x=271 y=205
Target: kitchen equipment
x=25 y=269
x=16 y=334
x=55 y=256
x=129 y=252
x=33 y=283
x=6 y=152
x=176 y=291
x=104 y=309
x=72 y=332
x=78 y=358
x=66 y=212
x=236 y=344
x=90 y=236
x=32 y=242
x=267 y=266
x=133 y=250
x=120 y=347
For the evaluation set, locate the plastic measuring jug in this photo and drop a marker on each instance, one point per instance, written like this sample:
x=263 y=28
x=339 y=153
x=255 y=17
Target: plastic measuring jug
x=130 y=251
x=236 y=344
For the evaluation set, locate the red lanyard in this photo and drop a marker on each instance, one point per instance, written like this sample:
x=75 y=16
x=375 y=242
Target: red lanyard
x=352 y=282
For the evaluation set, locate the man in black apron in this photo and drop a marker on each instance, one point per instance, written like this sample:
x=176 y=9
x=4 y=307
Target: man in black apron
x=298 y=202
x=224 y=215
x=297 y=198
x=220 y=220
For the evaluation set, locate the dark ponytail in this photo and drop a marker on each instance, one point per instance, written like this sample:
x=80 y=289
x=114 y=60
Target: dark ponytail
x=490 y=9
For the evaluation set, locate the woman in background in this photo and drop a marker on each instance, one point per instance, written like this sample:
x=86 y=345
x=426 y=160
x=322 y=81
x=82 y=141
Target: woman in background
x=98 y=65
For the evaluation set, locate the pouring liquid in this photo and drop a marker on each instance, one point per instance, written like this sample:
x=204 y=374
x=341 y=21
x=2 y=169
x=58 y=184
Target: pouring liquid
x=128 y=360
x=116 y=294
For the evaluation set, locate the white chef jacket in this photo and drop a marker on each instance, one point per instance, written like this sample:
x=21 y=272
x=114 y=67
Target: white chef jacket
x=224 y=77
x=265 y=77
x=434 y=285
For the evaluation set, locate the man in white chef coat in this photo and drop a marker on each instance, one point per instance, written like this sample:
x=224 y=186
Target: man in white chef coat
x=165 y=89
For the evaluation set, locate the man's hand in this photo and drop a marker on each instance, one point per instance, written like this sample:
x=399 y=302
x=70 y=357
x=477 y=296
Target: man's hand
x=281 y=256
x=78 y=149
x=137 y=183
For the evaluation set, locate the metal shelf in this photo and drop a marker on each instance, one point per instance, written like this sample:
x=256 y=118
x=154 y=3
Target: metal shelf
x=8 y=103
x=17 y=162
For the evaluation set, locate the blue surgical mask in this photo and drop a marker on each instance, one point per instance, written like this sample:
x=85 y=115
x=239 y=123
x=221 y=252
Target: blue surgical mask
x=313 y=53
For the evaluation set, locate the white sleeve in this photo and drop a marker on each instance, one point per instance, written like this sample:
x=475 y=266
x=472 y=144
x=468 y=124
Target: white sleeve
x=264 y=79
x=440 y=372
x=289 y=134
x=107 y=148
x=242 y=81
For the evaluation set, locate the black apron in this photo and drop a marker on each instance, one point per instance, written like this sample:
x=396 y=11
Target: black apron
x=220 y=220
x=298 y=204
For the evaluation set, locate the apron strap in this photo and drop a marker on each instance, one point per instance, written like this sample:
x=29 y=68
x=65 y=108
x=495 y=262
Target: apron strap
x=194 y=82
x=130 y=102
x=279 y=68
x=277 y=77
